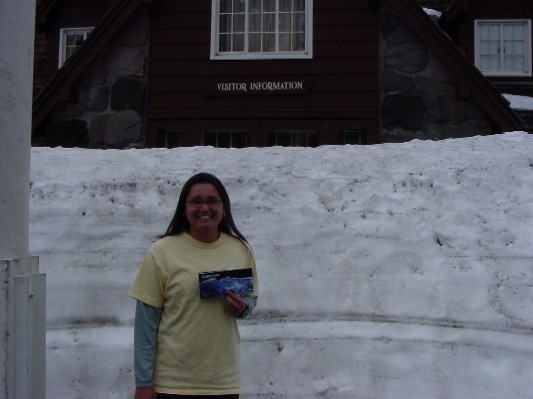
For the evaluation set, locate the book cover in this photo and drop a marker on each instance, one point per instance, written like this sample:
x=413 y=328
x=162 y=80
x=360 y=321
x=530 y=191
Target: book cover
x=215 y=283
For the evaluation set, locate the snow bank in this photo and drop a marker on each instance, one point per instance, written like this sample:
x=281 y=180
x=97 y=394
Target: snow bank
x=386 y=271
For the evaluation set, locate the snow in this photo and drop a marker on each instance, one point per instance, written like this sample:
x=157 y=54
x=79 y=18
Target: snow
x=434 y=14
x=386 y=271
x=520 y=102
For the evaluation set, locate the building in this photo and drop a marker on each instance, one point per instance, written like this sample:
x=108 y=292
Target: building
x=165 y=73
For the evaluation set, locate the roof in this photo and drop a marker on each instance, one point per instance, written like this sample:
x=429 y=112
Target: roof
x=455 y=8
x=43 y=8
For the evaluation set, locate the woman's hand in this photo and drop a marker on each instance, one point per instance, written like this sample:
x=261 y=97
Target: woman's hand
x=145 y=393
x=235 y=305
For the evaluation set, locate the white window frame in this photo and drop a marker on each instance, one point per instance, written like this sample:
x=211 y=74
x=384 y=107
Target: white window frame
x=307 y=53
x=502 y=71
x=63 y=33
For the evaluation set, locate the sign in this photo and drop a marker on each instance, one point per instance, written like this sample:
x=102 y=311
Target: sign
x=265 y=87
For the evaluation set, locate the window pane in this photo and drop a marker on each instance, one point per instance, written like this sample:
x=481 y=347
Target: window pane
x=69 y=51
x=255 y=23
x=284 y=42
x=210 y=138
x=269 y=43
x=71 y=39
x=239 y=6
x=507 y=47
x=508 y=63
x=280 y=139
x=484 y=62
x=484 y=32
x=285 y=24
x=519 y=47
x=225 y=6
x=494 y=32
x=254 y=42
x=225 y=23
x=520 y=63
x=299 y=22
x=80 y=38
x=494 y=48
x=269 y=22
x=508 y=32
x=224 y=43
x=238 y=42
x=285 y=5
x=238 y=23
x=239 y=140
x=519 y=31
x=312 y=140
x=224 y=140
x=298 y=43
x=349 y=137
x=484 y=47
x=255 y=6
x=298 y=5
x=494 y=62
x=269 y=5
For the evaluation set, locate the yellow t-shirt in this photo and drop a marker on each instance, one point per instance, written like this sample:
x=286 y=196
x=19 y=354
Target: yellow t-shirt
x=198 y=341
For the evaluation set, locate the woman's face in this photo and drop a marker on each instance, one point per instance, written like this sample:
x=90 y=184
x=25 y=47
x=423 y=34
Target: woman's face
x=204 y=210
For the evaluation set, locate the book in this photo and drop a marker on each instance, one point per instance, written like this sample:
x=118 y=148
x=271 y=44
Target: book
x=214 y=284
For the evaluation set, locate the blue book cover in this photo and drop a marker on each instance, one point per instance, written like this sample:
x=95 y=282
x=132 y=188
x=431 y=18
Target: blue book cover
x=215 y=283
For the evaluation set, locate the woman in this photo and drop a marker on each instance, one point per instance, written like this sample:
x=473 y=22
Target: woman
x=185 y=346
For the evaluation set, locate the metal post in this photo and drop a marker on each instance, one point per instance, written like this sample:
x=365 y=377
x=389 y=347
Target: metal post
x=22 y=289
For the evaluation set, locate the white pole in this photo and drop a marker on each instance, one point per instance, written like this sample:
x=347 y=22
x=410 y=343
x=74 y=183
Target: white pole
x=22 y=289
x=17 y=21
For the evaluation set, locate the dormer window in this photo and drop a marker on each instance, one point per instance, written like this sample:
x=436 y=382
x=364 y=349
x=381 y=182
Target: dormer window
x=503 y=47
x=261 y=29
x=70 y=39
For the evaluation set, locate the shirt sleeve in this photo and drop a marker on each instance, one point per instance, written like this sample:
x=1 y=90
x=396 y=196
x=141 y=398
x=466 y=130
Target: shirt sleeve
x=144 y=342
x=251 y=303
x=148 y=286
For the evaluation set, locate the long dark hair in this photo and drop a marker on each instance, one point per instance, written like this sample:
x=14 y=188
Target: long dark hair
x=180 y=223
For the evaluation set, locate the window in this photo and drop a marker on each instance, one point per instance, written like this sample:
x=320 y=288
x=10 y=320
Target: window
x=256 y=29
x=169 y=138
x=226 y=138
x=503 y=48
x=70 y=40
x=350 y=136
x=294 y=138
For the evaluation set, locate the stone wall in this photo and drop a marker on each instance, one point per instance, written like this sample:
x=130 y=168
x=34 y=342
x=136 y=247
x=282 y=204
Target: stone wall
x=418 y=94
x=110 y=96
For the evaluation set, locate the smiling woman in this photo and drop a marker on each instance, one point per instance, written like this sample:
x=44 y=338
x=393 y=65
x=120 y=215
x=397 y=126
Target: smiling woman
x=204 y=212
x=205 y=360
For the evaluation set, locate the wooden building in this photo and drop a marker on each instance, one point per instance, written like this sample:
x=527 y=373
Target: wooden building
x=123 y=73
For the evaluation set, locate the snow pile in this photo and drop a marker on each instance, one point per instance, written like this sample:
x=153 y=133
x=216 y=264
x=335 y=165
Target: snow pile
x=520 y=102
x=387 y=271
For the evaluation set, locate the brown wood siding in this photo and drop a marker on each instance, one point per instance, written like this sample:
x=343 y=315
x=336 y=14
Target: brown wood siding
x=463 y=34
x=68 y=14
x=343 y=70
x=39 y=61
